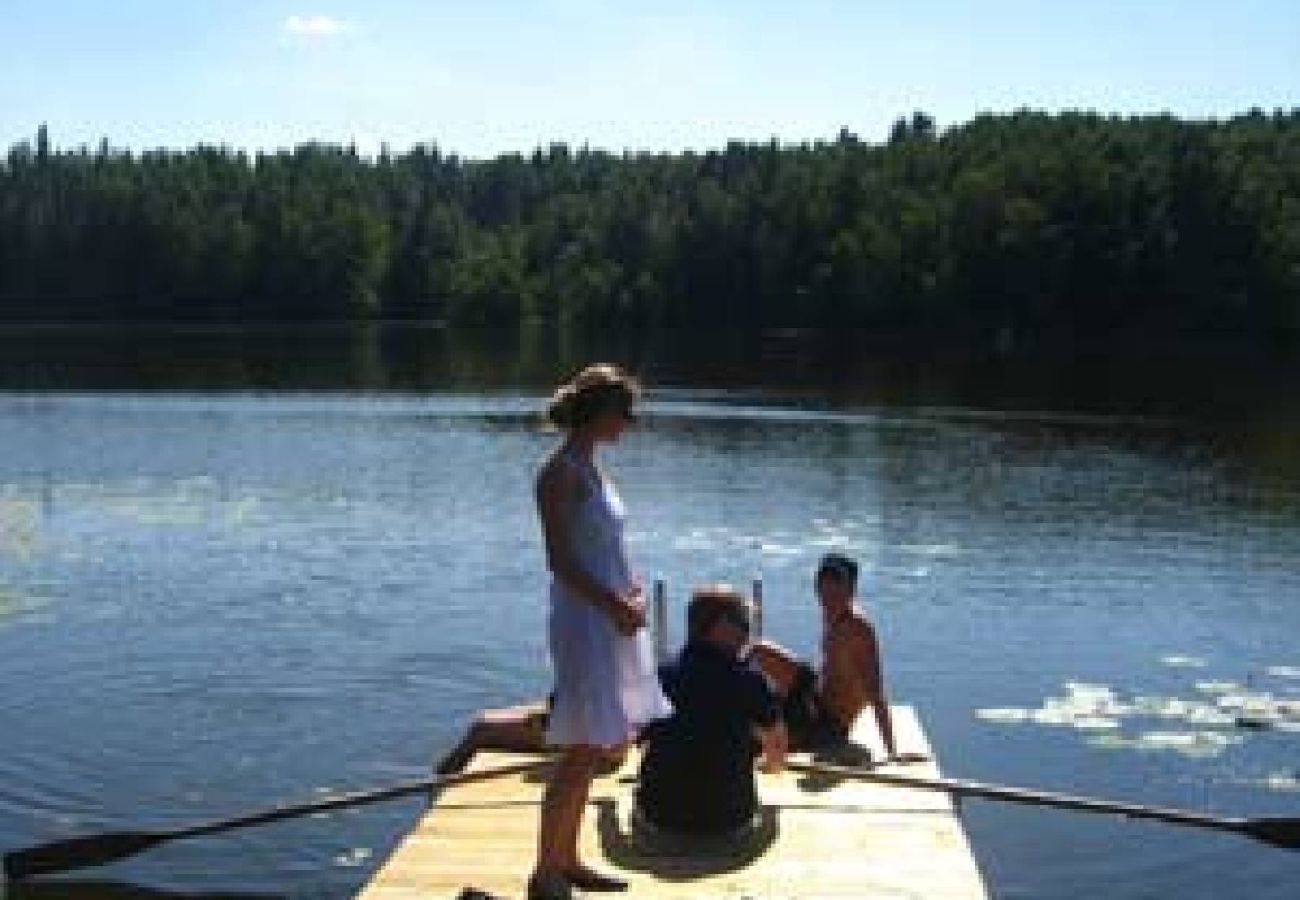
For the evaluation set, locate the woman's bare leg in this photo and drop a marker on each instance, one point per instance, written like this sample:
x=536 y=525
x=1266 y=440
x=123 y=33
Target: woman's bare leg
x=562 y=808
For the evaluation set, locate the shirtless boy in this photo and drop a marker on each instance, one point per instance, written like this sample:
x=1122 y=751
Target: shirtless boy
x=820 y=708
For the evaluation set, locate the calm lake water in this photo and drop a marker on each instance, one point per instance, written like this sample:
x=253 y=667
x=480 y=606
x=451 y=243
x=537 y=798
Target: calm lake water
x=239 y=568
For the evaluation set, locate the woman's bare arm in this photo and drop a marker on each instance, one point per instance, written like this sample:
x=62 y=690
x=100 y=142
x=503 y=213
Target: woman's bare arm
x=867 y=651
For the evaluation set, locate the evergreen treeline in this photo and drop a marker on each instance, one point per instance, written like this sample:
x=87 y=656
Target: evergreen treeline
x=1029 y=226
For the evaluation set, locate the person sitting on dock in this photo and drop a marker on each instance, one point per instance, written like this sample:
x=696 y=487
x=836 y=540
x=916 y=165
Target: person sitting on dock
x=697 y=768
x=820 y=710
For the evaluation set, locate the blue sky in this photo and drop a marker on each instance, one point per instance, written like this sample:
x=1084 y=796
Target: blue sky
x=480 y=77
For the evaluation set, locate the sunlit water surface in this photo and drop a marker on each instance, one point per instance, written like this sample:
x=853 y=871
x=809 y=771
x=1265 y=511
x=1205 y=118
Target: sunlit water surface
x=211 y=602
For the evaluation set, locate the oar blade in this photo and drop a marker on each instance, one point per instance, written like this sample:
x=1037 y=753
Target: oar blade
x=77 y=853
x=1279 y=831
x=95 y=850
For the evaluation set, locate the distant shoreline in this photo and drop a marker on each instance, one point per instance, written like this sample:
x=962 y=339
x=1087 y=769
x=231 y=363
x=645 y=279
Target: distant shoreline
x=1007 y=232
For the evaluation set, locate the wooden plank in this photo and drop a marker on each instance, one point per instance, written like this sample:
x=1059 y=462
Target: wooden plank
x=826 y=839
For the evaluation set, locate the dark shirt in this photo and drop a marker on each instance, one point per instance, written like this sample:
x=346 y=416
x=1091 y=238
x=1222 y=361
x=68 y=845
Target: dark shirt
x=697 y=769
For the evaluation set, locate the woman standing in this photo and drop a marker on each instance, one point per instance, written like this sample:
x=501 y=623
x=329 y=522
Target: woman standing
x=605 y=681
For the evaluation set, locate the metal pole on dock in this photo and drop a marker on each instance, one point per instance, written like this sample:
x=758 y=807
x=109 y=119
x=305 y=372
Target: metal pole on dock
x=659 y=622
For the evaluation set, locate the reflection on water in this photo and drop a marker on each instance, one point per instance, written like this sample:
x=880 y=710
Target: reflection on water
x=234 y=574
x=1079 y=389
x=86 y=889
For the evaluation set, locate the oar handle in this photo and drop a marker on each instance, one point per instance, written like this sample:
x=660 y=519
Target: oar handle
x=95 y=850
x=356 y=798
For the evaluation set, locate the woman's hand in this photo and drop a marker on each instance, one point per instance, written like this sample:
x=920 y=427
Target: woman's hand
x=628 y=611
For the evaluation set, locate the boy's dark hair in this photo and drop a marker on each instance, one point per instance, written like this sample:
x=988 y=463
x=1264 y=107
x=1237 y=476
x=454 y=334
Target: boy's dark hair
x=839 y=567
x=711 y=603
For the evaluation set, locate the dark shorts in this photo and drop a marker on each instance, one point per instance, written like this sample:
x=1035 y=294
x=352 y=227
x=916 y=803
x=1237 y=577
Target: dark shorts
x=808 y=722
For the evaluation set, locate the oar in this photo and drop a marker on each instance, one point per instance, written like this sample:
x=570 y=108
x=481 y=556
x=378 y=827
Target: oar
x=1279 y=831
x=97 y=849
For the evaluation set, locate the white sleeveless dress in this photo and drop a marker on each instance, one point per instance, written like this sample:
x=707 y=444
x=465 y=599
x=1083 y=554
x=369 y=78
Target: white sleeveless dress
x=606 y=686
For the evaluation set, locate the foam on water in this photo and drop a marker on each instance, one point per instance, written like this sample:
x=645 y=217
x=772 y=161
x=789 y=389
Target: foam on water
x=15 y=604
x=1007 y=715
x=19 y=527
x=1218 y=687
x=938 y=551
x=1183 y=662
x=1281 y=781
x=356 y=856
x=1091 y=707
x=1194 y=744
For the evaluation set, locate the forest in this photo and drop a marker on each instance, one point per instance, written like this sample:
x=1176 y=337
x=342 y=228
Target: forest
x=1025 y=228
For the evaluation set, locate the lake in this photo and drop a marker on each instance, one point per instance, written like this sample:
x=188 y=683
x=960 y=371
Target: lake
x=240 y=567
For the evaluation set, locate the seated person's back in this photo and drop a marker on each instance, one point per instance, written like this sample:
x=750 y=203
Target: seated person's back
x=697 y=770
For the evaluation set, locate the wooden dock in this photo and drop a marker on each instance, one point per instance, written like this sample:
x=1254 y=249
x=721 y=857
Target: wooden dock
x=824 y=838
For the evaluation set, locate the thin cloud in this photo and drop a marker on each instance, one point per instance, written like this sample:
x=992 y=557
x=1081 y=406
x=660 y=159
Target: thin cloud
x=315 y=26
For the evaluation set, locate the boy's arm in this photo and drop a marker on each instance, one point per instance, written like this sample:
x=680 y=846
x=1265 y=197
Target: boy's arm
x=871 y=669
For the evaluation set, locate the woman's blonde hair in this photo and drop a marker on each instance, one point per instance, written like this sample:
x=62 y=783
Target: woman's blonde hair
x=597 y=390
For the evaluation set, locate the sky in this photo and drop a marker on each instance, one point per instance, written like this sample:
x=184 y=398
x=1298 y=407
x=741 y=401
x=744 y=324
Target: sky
x=483 y=77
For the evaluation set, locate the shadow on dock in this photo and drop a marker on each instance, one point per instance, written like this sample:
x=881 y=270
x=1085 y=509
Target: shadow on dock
x=625 y=851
